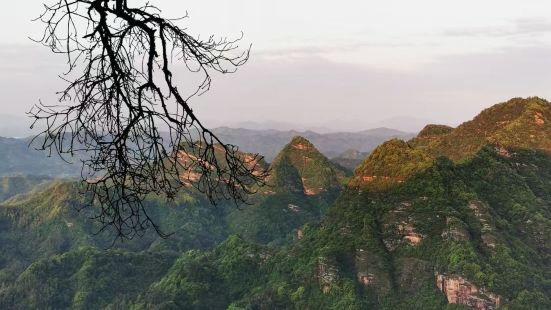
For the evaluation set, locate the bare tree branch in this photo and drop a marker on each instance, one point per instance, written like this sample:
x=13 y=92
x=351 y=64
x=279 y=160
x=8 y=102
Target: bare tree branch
x=121 y=92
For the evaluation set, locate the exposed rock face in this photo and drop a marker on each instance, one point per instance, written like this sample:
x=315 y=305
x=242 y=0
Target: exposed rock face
x=310 y=191
x=400 y=227
x=407 y=230
x=503 y=151
x=256 y=163
x=191 y=165
x=189 y=177
x=481 y=213
x=300 y=146
x=460 y=291
x=364 y=274
x=293 y=208
x=327 y=274
x=366 y=278
x=538 y=119
x=455 y=230
x=300 y=234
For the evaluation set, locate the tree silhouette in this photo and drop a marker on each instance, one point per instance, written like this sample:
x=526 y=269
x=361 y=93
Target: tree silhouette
x=125 y=116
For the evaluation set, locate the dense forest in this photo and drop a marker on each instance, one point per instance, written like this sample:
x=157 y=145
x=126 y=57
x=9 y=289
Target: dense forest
x=453 y=218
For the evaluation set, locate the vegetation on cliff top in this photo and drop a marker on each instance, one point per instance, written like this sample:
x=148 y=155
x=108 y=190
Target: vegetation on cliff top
x=515 y=124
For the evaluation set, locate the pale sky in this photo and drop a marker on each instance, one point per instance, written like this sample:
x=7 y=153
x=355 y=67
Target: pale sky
x=345 y=64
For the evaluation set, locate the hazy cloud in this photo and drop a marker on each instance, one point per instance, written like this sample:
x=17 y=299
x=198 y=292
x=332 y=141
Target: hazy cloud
x=319 y=92
x=312 y=91
x=518 y=27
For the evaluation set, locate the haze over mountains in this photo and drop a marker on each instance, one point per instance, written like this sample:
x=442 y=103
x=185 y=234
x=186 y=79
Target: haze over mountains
x=452 y=218
x=269 y=142
x=351 y=124
x=17 y=158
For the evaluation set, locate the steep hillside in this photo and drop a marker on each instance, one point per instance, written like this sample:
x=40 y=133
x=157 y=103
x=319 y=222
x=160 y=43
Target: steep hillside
x=42 y=217
x=475 y=234
x=47 y=222
x=457 y=218
x=317 y=174
x=302 y=185
x=192 y=160
x=391 y=162
x=515 y=124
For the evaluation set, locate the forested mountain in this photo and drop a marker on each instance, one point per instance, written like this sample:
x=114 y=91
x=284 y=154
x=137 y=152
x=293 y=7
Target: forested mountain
x=455 y=218
x=302 y=185
x=515 y=124
x=39 y=222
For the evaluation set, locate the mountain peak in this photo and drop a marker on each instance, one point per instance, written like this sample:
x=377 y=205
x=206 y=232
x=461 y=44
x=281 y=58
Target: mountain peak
x=528 y=111
x=301 y=161
x=301 y=143
x=515 y=124
x=434 y=130
x=392 y=161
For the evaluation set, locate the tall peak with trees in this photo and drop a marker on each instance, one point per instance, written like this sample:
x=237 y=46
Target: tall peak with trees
x=520 y=123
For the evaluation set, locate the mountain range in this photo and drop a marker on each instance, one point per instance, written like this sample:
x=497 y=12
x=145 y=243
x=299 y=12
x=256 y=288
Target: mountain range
x=18 y=156
x=269 y=142
x=453 y=218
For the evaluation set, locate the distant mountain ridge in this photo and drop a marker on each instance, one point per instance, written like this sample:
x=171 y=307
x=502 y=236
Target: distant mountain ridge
x=17 y=157
x=350 y=159
x=269 y=142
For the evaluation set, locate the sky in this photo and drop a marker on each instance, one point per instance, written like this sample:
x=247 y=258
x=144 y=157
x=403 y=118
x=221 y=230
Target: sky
x=333 y=65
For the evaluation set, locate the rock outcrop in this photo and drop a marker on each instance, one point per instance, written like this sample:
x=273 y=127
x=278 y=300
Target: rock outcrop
x=327 y=274
x=460 y=291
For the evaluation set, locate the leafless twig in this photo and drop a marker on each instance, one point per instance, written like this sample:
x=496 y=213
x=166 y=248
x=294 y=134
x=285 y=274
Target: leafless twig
x=121 y=93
